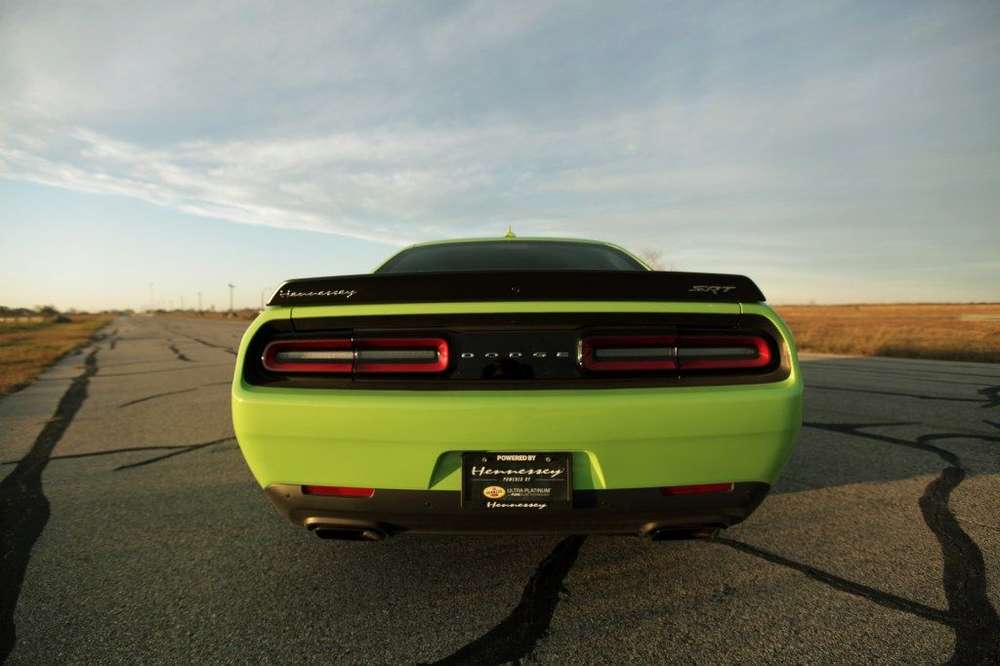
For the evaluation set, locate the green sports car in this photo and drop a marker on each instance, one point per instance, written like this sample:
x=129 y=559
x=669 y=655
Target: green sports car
x=517 y=385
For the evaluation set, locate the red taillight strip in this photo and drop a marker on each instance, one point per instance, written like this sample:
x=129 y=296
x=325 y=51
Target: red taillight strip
x=324 y=356
x=686 y=352
x=624 y=353
x=365 y=355
x=338 y=491
x=723 y=352
x=375 y=355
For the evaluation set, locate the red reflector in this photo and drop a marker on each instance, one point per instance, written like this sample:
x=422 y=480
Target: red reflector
x=630 y=352
x=338 y=491
x=702 y=489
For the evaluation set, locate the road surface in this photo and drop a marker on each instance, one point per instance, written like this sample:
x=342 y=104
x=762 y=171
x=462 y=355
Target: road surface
x=133 y=532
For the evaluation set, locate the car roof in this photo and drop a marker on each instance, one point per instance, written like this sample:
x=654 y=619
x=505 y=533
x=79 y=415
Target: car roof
x=510 y=238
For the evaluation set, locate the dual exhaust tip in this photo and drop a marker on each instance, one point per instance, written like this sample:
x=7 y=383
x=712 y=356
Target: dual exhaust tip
x=341 y=533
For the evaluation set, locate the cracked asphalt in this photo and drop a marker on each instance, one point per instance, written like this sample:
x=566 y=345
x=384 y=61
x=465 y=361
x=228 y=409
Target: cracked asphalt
x=131 y=531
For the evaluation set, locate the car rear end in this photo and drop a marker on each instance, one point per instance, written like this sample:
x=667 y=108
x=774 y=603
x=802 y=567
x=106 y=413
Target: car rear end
x=517 y=402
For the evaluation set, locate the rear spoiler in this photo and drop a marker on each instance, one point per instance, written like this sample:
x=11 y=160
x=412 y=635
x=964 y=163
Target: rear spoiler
x=518 y=286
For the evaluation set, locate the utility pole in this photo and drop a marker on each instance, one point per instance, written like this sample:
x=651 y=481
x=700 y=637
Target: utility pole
x=199 y=301
x=263 y=292
x=231 y=287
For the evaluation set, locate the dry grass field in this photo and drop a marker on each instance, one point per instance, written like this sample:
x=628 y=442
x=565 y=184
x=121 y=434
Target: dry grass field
x=28 y=347
x=953 y=332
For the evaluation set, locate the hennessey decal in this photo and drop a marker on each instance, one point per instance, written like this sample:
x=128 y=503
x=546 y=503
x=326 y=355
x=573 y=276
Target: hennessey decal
x=531 y=471
x=516 y=505
x=346 y=293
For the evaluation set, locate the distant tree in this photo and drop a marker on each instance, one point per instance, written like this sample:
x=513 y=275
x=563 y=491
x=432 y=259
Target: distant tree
x=47 y=310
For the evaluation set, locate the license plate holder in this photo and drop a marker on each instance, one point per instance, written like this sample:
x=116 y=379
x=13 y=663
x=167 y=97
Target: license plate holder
x=516 y=481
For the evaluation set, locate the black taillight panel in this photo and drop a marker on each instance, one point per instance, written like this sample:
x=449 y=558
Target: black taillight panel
x=457 y=352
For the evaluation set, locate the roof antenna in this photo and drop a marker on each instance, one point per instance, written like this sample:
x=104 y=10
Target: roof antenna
x=510 y=232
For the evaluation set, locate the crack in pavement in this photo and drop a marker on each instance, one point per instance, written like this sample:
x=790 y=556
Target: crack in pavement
x=169 y=393
x=156 y=395
x=213 y=345
x=977 y=625
x=517 y=636
x=210 y=344
x=173 y=331
x=918 y=374
x=199 y=366
x=844 y=585
x=977 y=635
x=131 y=449
x=177 y=451
x=24 y=508
x=929 y=380
x=991 y=395
x=893 y=393
x=178 y=353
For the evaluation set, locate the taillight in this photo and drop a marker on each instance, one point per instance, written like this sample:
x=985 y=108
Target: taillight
x=625 y=353
x=338 y=491
x=643 y=353
x=381 y=355
x=722 y=352
x=334 y=356
x=345 y=356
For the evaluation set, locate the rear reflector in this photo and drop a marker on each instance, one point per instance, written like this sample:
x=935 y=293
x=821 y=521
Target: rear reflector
x=702 y=489
x=345 y=356
x=631 y=353
x=338 y=491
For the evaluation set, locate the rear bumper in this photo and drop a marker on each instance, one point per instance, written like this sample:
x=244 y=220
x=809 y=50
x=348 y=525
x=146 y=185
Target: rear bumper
x=626 y=438
x=636 y=511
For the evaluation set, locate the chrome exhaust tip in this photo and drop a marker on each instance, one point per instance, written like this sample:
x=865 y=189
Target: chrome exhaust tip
x=348 y=533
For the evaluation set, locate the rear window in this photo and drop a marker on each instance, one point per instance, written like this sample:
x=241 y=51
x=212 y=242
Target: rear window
x=510 y=256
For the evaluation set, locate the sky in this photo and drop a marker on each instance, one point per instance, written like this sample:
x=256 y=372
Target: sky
x=832 y=151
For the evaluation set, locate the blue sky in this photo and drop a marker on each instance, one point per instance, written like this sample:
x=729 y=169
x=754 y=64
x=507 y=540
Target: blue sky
x=835 y=152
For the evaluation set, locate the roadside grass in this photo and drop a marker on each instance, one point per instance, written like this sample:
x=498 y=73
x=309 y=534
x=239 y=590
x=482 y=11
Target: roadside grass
x=949 y=332
x=28 y=348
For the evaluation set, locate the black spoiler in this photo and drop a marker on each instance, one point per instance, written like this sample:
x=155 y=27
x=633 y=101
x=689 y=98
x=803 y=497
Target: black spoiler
x=517 y=286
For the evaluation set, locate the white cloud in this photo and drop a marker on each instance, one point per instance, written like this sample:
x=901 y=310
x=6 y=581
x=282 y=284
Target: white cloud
x=652 y=125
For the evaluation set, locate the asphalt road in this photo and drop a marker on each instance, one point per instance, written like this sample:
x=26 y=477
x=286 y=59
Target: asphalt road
x=133 y=532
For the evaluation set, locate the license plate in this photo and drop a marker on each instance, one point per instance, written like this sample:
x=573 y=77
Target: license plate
x=517 y=481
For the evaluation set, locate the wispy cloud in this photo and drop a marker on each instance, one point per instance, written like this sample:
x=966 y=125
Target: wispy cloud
x=676 y=127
